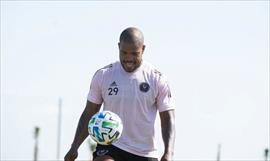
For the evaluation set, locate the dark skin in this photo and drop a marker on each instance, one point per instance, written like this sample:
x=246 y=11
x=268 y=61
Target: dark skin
x=167 y=119
x=130 y=53
x=82 y=131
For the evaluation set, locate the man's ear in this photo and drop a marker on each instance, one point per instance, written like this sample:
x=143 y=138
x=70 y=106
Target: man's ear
x=143 y=48
x=119 y=45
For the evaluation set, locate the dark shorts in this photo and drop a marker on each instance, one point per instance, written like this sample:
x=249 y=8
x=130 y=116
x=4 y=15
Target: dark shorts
x=118 y=154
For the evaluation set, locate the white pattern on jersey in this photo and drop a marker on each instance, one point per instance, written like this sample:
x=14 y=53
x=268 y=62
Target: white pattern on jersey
x=135 y=97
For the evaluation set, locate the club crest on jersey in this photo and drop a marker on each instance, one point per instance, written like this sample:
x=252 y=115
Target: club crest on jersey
x=144 y=87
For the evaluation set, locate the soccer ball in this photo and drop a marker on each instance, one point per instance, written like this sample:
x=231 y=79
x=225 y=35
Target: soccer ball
x=105 y=127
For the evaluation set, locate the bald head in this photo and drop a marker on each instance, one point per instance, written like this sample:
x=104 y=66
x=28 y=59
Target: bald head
x=131 y=48
x=132 y=35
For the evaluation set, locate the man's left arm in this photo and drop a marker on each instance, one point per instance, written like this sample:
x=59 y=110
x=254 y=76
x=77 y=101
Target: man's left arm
x=167 y=119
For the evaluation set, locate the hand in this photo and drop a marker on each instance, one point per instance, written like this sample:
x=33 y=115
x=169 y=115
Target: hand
x=166 y=157
x=71 y=155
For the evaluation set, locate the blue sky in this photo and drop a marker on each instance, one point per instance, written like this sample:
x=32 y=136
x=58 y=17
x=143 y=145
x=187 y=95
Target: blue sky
x=215 y=55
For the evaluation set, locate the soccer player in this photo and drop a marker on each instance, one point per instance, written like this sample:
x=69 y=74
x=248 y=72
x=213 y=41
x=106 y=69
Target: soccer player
x=136 y=91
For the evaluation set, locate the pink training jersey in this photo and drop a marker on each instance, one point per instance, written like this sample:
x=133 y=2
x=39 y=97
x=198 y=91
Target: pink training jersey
x=135 y=97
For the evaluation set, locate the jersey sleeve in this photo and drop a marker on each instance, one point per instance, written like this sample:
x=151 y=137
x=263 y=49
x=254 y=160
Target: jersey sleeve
x=164 y=100
x=95 y=92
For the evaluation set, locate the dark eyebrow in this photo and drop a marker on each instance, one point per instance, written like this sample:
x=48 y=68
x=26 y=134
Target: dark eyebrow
x=123 y=51
x=135 y=52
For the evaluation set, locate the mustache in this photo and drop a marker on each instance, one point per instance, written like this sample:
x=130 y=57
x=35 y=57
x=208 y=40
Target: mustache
x=128 y=61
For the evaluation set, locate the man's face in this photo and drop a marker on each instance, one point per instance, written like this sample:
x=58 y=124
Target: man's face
x=130 y=55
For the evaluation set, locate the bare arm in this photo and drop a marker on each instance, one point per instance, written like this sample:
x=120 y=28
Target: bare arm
x=167 y=119
x=82 y=131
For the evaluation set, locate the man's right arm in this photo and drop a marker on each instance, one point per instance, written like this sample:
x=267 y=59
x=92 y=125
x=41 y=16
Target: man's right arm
x=82 y=131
